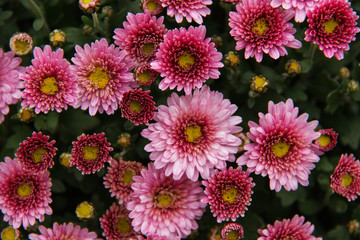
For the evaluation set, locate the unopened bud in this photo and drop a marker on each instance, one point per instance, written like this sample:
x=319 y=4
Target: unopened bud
x=344 y=72
x=232 y=59
x=21 y=43
x=217 y=40
x=259 y=84
x=26 y=114
x=9 y=233
x=124 y=140
x=353 y=226
x=57 y=38
x=87 y=30
x=85 y=210
x=153 y=6
x=65 y=159
x=293 y=67
x=107 y=11
x=89 y=6
x=353 y=86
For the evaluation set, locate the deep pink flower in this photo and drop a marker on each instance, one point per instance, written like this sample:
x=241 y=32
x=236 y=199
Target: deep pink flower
x=232 y=231
x=103 y=73
x=294 y=228
x=345 y=179
x=193 y=134
x=164 y=206
x=141 y=36
x=24 y=195
x=327 y=140
x=144 y=75
x=259 y=28
x=186 y=59
x=229 y=193
x=232 y=1
x=282 y=146
x=90 y=153
x=49 y=83
x=299 y=6
x=332 y=26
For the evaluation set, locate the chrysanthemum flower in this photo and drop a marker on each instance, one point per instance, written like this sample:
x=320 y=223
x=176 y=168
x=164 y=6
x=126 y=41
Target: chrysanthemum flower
x=282 y=146
x=156 y=237
x=10 y=83
x=186 y=59
x=189 y=9
x=89 y=6
x=144 y=75
x=229 y=193
x=232 y=1
x=9 y=233
x=193 y=134
x=90 y=152
x=345 y=179
x=36 y=153
x=141 y=36
x=152 y=6
x=49 y=83
x=294 y=228
x=332 y=26
x=24 y=195
x=64 y=231
x=119 y=178
x=21 y=43
x=327 y=140
x=26 y=114
x=299 y=6
x=232 y=231
x=164 y=206
x=137 y=106
x=260 y=28
x=116 y=224
x=103 y=73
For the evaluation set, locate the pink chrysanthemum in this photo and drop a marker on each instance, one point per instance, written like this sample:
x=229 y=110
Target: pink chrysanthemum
x=49 y=83
x=332 y=26
x=164 y=206
x=10 y=83
x=144 y=75
x=229 y=193
x=141 y=36
x=193 y=134
x=36 y=153
x=288 y=229
x=345 y=179
x=137 y=106
x=90 y=153
x=24 y=195
x=119 y=178
x=300 y=7
x=152 y=6
x=327 y=140
x=282 y=146
x=186 y=59
x=189 y=9
x=103 y=73
x=232 y=231
x=64 y=231
x=156 y=237
x=260 y=28
x=116 y=224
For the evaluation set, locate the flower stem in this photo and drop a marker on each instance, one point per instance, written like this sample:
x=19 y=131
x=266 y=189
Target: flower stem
x=312 y=51
x=97 y=24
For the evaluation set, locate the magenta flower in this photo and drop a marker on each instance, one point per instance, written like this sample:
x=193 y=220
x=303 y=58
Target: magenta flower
x=260 y=28
x=152 y=6
x=282 y=146
x=144 y=75
x=300 y=7
x=186 y=59
x=193 y=134
x=327 y=140
x=232 y=231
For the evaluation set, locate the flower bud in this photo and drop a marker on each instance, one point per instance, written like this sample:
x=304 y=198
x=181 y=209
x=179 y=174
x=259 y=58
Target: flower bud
x=124 y=140
x=259 y=84
x=65 y=159
x=21 y=43
x=85 y=210
x=26 y=114
x=57 y=38
x=353 y=226
x=232 y=59
x=107 y=11
x=344 y=72
x=293 y=67
x=87 y=30
x=153 y=6
x=353 y=86
x=9 y=233
x=89 y=6
x=217 y=40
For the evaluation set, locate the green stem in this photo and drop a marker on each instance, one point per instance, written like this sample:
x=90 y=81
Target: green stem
x=312 y=52
x=38 y=11
x=97 y=24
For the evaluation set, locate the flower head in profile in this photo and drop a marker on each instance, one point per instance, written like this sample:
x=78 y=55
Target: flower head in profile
x=294 y=228
x=152 y=6
x=103 y=75
x=49 y=83
x=259 y=28
x=24 y=195
x=141 y=36
x=144 y=75
x=21 y=43
x=345 y=179
x=90 y=153
x=186 y=59
x=64 y=231
x=193 y=134
x=332 y=26
x=229 y=193
x=232 y=231
x=327 y=140
x=300 y=7
x=282 y=146
x=164 y=206
x=36 y=153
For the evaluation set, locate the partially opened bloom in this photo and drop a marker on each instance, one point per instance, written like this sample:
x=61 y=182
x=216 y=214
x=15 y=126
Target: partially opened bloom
x=259 y=28
x=299 y=6
x=153 y=6
x=141 y=36
x=144 y=75
x=24 y=195
x=294 y=228
x=63 y=231
x=90 y=153
x=229 y=193
x=282 y=146
x=186 y=59
x=21 y=43
x=164 y=206
x=103 y=75
x=36 y=153
x=193 y=134
x=327 y=140
x=232 y=231
x=332 y=26
x=345 y=179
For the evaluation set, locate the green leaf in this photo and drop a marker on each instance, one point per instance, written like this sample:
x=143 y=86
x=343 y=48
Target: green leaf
x=5 y=15
x=338 y=205
x=38 y=24
x=57 y=186
x=75 y=35
x=47 y=122
x=21 y=133
x=86 y=20
x=338 y=233
x=309 y=207
x=333 y=100
x=288 y=197
x=324 y=165
x=306 y=65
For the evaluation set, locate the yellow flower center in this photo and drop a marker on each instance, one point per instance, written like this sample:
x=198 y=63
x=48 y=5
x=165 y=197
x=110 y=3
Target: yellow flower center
x=330 y=25
x=164 y=200
x=38 y=154
x=186 y=60
x=280 y=149
x=229 y=195
x=86 y=1
x=260 y=26
x=143 y=77
x=99 y=77
x=24 y=190
x=90 y=152
x=123 y=225
x=152 y=6
x=127 y=176
x=346 y=180
x=49 y=86
x=192 y=133
x=135 y=106
x=260 y=82
x=324 y=140
x=148 y=47
x=8 y=233
x=85 y=210
x=233 y=235
x=21 y=46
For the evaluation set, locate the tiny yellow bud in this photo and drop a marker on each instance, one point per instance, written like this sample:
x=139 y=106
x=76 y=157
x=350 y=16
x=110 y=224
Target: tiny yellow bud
x=85 y=210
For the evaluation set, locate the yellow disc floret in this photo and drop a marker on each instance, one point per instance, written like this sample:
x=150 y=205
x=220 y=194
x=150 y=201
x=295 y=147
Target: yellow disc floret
x=127 y=176
x=122 y=225
x=90 y=152
x=186 y=60
x=346 y=180
x=9 y=233
x=192 y=133
x=330 y=25
x=152 y=6
x=49 y=86
x=280 y=149
x=38 y=155
x=24 y=190
x=260 y=26
x=233 y=235
x=99 y=78
x=164 y=200
x=324 y=140
x=135 y=106
x=229 y=195
x=85 y=210
x=148 y=47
